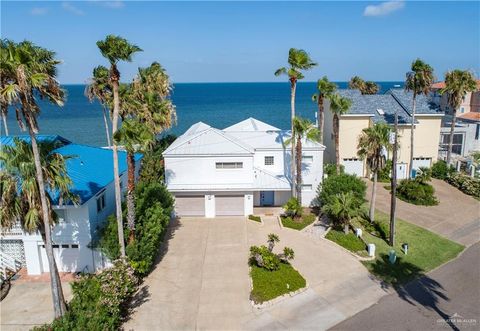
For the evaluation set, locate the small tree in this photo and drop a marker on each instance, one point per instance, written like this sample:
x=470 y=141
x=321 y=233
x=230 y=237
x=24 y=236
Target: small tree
x=272 y=239
x=342 y=209
x=293 y=208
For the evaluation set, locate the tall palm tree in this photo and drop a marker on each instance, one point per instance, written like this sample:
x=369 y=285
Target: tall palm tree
x=342 y=208
x=3 y=83
x=338 y=106
x=371 y=88
x=303 y=129
x=31 y=73
x=356 y=83
x=372 y=145
x=115 y=49
x=100 y=89
x=419 y=80
x=325 y=88
x=298 y=60
x=457 y=84
x=147 y=111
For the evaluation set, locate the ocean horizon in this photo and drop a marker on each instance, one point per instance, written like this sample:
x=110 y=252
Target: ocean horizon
x=216 y=104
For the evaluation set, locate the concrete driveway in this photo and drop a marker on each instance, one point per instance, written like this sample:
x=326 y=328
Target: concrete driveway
x=202 y=281
x=456 y=217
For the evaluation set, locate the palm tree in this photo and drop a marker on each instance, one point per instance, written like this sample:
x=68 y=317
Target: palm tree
x=114 y=49
x=30 y=72
x=100 y=89
x=356 y=83
x=371 y=88
x=457 y=84
x=325 y=88
x=298 y=60
x=419 y=80
x=338 y=106
x=303 y=128
x=372 y=145
x=3 y=83
x=147 y=111
x=342 y=209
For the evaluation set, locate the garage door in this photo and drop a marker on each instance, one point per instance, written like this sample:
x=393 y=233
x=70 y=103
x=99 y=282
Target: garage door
x=421 y=162
x=190 y=205
x=353 y=166
x=229 y=205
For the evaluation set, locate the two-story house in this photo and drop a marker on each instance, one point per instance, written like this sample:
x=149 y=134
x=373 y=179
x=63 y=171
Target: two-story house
x=369 y=109
x=214 y=172
x=74 y=236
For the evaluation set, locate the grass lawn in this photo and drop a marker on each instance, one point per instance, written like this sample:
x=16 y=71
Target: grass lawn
x=300 y=223
x=426 y=251
x=255 y=218
x=268 y=285
x=349 y=241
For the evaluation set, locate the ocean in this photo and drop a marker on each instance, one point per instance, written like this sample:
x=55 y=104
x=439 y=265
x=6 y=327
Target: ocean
x=216 y=104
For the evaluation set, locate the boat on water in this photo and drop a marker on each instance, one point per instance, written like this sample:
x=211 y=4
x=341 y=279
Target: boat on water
x=396 y=85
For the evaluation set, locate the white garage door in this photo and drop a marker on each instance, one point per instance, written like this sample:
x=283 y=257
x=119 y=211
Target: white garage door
x=421 y=162
x=353 y=166
x=229 y=205
x=190 y=205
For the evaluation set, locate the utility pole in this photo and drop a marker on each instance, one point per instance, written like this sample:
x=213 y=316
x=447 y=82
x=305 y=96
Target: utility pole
x=393 y=201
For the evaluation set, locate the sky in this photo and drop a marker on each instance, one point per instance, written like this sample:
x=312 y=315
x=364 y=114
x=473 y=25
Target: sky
x=247 y=41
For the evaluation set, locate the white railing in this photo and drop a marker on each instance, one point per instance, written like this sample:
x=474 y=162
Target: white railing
x=8 y=264
x=15 y=230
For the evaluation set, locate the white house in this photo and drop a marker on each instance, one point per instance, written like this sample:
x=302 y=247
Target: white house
x=91 y=170
x=214 y=172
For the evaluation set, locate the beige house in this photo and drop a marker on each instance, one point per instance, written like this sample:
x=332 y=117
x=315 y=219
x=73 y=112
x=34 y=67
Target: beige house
x=369 y=109
x=470 y=104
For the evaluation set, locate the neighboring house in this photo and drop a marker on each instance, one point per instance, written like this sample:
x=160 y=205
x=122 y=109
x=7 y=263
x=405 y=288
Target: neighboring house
x=214 y=172
x=74 y=236
x=470 y=104
x=369 y=109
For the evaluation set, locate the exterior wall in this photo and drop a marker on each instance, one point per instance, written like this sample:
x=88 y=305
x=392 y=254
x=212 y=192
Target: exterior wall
x=312 y=174
x=469 y=131
x=281 y=197
x=248 y=203
x=281 y=160
x=328 y=139
x=210 y=205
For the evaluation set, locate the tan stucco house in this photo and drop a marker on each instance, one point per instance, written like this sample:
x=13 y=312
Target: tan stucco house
x=369 y=109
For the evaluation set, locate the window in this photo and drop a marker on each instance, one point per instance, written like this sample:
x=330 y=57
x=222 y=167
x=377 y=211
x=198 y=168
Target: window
x=61 y=214
x=74 y=246
x=477 y=132
x=269 y=160
x=64 y=246
x=457 y=146
x=306 y=187
x=307 y=159
x=101 y=203
x=229 y=165
x=56 y=246
x=462 y=110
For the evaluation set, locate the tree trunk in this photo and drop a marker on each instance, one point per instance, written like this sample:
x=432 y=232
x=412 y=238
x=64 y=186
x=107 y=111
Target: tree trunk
x=130 y=196
x=371 y=214
x=393 y=197
x=5 y=125
x=345 y=227
x=116 y=175
x=293 y=84
x=59 y=306
x=450 y=139
x=107 y=130
x=320 y=116
x=336 y=128
x=299 y=170
x=412 y=134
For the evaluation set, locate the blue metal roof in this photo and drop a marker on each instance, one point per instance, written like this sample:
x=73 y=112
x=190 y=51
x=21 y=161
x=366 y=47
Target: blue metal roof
x=90 y=168
x=8 y=140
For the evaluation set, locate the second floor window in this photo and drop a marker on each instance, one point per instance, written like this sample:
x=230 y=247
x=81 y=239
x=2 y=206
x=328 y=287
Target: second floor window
x=269 y=160
x=101 y=203
x=229 y=165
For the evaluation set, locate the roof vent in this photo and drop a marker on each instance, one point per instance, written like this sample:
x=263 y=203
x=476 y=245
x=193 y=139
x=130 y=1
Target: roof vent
x=380 y=111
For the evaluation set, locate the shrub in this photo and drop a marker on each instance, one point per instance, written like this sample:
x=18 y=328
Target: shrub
x=152 y=169
x=384 y=174
x=348 y=241
x=378 y=228
x=330 y=169
x=255 y=218
x=293 y=208
x=441 y=170
x=334 y=185
x=465 y=183
x=264 y=257
x=417 y=192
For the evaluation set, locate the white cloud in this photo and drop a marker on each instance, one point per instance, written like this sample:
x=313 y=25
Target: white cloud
x=37 y=11
x=383 y=9
x=72 y=9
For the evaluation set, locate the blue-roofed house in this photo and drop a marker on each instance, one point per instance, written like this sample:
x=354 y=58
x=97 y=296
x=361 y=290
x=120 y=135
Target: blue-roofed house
x=381 y=108
x=91 y=170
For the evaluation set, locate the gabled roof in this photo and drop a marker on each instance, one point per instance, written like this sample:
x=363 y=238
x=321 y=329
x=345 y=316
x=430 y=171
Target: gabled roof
x=196 y=128
x=251 y=124
x=423 y=103
x=207 y=142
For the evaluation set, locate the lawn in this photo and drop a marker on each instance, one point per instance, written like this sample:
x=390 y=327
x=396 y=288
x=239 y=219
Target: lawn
x=300 y=223
x=255 y=218
x=268 y=285
x=349 y=241
x=426 y=251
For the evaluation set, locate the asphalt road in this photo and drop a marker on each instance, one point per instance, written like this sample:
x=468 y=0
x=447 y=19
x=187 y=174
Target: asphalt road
x=446 y=299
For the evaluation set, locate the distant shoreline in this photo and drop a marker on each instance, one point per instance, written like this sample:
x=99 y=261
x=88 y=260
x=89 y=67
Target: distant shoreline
x=302 y=82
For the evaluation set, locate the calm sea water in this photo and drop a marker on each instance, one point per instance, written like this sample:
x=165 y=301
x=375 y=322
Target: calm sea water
x=217 y=104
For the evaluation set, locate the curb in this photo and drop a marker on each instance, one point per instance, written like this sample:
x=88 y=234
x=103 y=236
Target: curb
x=276 y=300
x=279 y=220
x=360 y=258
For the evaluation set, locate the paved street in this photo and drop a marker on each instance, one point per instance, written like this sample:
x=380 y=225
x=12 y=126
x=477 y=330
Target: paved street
x=450 y=292
x=456 y=217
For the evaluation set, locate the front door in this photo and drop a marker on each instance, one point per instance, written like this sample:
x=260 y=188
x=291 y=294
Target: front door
x=266 y=198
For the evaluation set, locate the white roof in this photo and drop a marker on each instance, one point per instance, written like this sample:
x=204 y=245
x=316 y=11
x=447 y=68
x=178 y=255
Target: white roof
x=262 y=139
x=265 y=180
x=196 y=128
x=251 y=124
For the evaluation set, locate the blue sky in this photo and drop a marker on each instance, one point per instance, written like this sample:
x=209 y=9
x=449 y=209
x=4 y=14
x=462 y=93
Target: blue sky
x=247 y=41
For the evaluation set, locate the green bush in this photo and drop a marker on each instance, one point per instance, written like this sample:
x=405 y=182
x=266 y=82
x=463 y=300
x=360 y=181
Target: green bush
x=255 y=218
x=441 y=170
x=384 y=174
x=348 y=241
x=264 y=258
x=416 y=192
x=380 y=229
x=152 y=169
x=99 y=301
x=465 y=183
x=334 y=185
x=330 y=169
x=293 y=208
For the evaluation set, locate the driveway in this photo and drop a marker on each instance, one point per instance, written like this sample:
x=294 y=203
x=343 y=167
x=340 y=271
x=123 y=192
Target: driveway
x=456 y=217
x=202 y=281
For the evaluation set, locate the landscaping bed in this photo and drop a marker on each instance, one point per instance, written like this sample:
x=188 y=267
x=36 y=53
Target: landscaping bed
x=255 y=218
x=298 y=223
x=348 y=241
x=268 y=285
